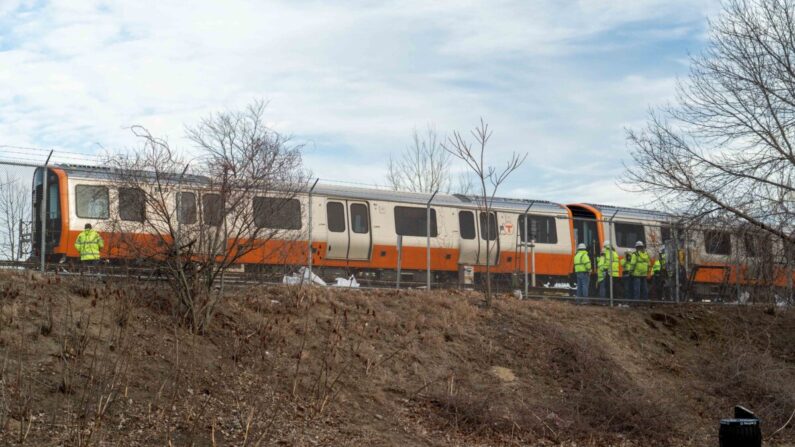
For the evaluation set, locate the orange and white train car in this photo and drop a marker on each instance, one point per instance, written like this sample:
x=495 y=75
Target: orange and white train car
x=361 y=230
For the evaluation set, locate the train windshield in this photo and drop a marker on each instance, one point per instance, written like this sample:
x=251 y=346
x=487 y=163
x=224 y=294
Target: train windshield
x=52 y=211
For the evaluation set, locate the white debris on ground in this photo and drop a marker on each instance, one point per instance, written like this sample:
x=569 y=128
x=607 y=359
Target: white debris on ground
x=303 y=276
x=346 y=282
x=559 y=285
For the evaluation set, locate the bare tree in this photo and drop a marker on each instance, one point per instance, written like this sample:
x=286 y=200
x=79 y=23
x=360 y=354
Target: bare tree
x=727 y=147
x=422 y=167
x=236 y=199
x=14 y=206
x=489 y=179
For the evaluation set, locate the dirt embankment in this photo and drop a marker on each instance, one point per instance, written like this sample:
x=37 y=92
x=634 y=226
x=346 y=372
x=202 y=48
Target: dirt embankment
x=87 y=363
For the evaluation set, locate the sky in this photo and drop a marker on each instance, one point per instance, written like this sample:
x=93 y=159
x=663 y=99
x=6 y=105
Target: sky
x=559 y=80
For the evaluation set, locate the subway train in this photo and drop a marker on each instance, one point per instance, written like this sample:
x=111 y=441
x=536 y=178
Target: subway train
x=367 y=231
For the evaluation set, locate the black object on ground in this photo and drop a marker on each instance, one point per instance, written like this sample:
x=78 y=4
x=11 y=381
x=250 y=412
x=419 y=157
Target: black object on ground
x=741 y=431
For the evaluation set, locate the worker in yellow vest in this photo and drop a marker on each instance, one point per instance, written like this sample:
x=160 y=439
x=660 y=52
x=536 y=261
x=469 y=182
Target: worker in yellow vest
x=88 y=244
x=659 y=275
x=607 y=265
x=582 y=270
x=639 y=270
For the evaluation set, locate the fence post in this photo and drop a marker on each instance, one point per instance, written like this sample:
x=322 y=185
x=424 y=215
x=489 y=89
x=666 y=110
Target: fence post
x=613 y=244
x=428 y=241
x=526 y=243
x=309 y=229
x=399 y=259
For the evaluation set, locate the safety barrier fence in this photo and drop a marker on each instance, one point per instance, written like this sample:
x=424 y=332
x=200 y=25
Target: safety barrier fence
x=109 y=272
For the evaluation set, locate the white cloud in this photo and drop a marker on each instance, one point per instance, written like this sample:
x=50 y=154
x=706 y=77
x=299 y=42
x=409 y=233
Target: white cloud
x=353 y=78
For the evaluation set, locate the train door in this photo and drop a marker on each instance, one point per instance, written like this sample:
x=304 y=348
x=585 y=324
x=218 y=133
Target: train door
x=489 y=230
x=359 y=236
x=585 y=233
x=468 y=240
x=336 y=223
x=349 y=236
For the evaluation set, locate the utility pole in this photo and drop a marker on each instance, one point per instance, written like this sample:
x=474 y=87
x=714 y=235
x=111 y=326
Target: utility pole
x=43 y=212
x=428 y=241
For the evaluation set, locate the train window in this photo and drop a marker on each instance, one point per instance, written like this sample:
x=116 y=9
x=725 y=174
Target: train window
x=335 y=215
x=492 y=225
x=466 y=223
x=665 y=232
x=132 y=204
x=411 y=221
x=187 y=208
x=542 y=229
x=717 y=242
x=359 y=221
x=277 y=213
x=212 y=209
x=757 y=245
x=91 y=201
x=628 y=234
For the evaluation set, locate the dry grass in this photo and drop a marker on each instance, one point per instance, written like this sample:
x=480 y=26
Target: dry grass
x=103 y=364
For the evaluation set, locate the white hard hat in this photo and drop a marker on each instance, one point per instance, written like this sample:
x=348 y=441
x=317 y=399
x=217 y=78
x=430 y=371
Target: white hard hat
x=662 y=249
x=639 y=244
x=581 y=246
x=607 y=243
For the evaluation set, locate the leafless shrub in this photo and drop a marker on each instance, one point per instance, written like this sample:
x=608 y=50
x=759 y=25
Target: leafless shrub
x=195 y=218
x=14 y=207
x=488 y=178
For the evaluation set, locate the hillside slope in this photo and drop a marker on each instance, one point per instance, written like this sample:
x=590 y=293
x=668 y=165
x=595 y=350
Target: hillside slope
x=87 y=363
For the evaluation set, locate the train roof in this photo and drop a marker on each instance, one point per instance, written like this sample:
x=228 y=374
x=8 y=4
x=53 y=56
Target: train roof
x=107 y=173
x=414 y=198
x=421 y=198
x=354 y=192
x=621 y=212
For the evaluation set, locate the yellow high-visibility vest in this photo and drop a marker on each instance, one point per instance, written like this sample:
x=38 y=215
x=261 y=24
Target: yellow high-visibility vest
x=640 y=264
x=582 y=262
x=88 y=244
x=605 y=259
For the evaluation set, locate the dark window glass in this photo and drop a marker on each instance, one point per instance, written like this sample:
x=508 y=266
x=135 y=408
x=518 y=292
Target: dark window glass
x=278 y=213
x=187 y=208
x=212 y=209
x=543 y=229
x=492 y=224
x=627 y=234
x=53 y=207
x=91 y=201
x=132 y=204
x=466 y=224
x=757 y=245
x=359 y=221
x=335 y=214
x=666 y=234
x=411 y=221
x=717 y=242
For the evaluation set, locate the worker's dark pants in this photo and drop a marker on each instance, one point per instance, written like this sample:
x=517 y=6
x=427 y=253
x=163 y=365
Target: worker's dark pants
x=658 y=286
x=583 y=281
x=627 y=280
x=641 y=288
x=604 y=286
x=89 y=266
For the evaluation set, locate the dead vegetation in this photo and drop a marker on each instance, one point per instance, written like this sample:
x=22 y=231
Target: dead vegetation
x=103 y=364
